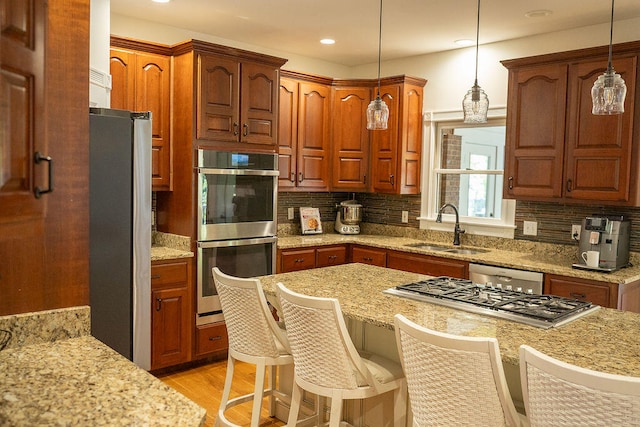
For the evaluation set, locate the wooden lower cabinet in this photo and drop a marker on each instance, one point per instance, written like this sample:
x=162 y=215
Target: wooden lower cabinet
x=310 y=257
x=600 y=293
x=211 y=338
x=426 y=264
x=331 y=255
x=171 y=312
x=370 y=256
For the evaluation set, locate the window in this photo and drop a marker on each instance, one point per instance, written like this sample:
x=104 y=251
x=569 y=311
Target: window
x=465 y=168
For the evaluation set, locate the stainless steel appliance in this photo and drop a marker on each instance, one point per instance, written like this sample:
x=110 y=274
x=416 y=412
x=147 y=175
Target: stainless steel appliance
x=348 y=217
x=507 y=278
x=120 y=231
x=237 y=216
x=543 y=311
x=609 y=236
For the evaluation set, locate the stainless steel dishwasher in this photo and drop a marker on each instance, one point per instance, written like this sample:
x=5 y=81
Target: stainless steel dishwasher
x=507 y=278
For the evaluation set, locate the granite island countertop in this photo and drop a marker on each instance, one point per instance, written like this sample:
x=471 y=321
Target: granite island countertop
x=545 y=258
x=606 y=340
x=61 y=375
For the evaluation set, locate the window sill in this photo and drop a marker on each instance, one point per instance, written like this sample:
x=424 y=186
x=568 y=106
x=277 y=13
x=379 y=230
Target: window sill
x=497 y=229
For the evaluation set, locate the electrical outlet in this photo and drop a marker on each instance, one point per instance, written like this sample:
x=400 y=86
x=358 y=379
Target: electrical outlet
x=290 y=213
x=530 y=228
x=405 y=216
x=575 y=231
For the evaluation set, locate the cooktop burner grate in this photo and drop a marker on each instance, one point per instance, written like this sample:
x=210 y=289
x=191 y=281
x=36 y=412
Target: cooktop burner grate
x=537 y=310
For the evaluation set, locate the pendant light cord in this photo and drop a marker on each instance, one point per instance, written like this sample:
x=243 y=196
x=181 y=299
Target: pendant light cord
x=477 y=42
x=609 y=66
x=379 y=47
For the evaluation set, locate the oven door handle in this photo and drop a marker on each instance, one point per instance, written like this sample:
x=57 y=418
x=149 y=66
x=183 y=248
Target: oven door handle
x=237 y=242
x=261 y=172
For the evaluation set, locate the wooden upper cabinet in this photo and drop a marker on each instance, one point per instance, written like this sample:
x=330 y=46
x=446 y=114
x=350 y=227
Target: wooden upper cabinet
x=237 y=101
x=141 y=81
x=396 y=151
x=556 y=148
x=535 y=131
x=288 y=134
x=350 y=139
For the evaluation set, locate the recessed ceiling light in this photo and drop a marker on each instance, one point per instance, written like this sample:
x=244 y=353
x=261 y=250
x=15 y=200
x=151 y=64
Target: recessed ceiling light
x=464 y=42
x=327 y=41
x=538 y=13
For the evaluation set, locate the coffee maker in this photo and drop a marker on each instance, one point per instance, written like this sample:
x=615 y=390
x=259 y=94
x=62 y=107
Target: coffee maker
x=608 y=235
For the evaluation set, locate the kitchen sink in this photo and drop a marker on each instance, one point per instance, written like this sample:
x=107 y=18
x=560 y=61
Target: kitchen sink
x=428 y=247
x=466 y=251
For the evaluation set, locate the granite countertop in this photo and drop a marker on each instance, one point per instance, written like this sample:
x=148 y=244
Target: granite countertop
x=552 y=259
x=605 y=340
x=55 y=373
x=170 y=246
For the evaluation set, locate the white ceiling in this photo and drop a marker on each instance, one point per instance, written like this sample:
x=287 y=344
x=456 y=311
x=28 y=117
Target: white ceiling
x=409 y=27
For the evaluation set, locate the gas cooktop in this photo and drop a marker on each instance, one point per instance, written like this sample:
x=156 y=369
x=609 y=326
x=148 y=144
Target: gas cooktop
x=544 y=311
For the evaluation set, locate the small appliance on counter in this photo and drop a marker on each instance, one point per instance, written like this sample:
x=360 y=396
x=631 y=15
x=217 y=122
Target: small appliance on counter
x=348 y=217
x=604 y=243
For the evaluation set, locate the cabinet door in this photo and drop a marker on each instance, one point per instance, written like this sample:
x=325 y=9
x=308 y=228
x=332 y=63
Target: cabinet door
x=123 y=79
x=350 y=139
x=600 y=293
x=410 y=140
x=313 y=136
x=535 y=132
x=425 y=264
x=211 y=338
x=259 y=104
x=153 y=78
x=170 y=326
x=369 y=256
x=332 y=255
x=297 y=259
x=385 y=145
x=218 y=99
x=599 y=148
x=287 y=134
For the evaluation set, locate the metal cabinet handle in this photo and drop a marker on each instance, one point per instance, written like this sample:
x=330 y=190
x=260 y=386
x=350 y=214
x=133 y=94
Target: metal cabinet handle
x=577 y=295
x=569 y=185
x=300 y=177
x=158 y=304
x=155 y=277
x=236 y=128
x=40 y=158
x=391 y=179
x=217 y=337
x=293 y=177
x=245 y=129
x=510 y=183
x=298 y=260
x=333 y=256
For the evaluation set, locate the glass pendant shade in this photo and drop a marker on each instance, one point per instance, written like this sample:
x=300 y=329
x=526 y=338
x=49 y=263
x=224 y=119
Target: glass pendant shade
x=475 y=105
x=608 y=94
x=377 y=114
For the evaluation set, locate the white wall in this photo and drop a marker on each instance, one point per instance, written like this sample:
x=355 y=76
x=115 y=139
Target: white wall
x=99 y=77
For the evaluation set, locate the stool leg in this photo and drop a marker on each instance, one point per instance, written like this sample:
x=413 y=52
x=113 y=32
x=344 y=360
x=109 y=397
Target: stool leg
x=258 y=394
x=296 y=398
x=227 y=387
x=272 y=386
x=336 y=412
x=400 y=406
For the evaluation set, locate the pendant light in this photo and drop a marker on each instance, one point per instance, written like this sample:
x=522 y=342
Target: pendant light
x=609 y=90
x=377 y=111
x=475 y=103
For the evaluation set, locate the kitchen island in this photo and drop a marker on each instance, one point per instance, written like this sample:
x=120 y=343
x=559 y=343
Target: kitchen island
x=606 y=340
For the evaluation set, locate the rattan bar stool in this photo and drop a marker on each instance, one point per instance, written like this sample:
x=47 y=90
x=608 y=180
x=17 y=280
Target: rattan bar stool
x=327 y=362
x=254 y=337
x=454 y=380
x=561 y=394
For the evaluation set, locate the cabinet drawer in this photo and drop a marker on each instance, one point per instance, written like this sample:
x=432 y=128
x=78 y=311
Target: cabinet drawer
x=424 y=264
x=334 y=255
x=369 y=256
x=298 y=260
x=211 y=338
x=596 y=293
x=169 y=274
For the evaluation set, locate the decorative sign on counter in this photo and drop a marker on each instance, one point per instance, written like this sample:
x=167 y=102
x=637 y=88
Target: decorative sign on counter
x=310 y=221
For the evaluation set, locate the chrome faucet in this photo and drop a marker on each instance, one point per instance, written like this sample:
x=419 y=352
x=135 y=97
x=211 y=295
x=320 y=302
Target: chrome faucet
x=457 y=231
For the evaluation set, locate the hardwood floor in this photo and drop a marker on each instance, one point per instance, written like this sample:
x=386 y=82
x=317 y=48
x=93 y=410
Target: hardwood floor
x=204 y=384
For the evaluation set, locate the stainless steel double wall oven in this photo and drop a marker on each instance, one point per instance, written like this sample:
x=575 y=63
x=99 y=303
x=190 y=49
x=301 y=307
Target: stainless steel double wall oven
x=237 y=195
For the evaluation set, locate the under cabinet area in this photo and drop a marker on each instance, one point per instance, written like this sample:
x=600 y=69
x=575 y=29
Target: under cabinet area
x=171 y=312
x=556 y=150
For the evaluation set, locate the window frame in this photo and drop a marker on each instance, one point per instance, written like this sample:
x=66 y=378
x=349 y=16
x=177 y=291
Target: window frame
x=494 y=227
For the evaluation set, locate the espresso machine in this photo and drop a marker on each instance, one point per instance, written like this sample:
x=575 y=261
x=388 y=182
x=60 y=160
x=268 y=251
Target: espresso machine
x=608 y=236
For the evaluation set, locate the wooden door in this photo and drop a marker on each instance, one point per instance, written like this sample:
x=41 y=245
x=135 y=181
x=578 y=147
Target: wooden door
x=534 y=150
x=599 y=148
x=218 y=99
x=259 y=104
x=170 y=327
x=44 y=241
x=152 y=93
x=385 y=144
x=287 y=134
x=411 y=140
x=313 y=136
x=350 y=139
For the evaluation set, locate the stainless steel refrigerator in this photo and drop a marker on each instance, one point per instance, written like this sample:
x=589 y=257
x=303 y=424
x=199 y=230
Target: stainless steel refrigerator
x=120 y=231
